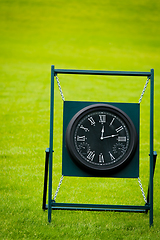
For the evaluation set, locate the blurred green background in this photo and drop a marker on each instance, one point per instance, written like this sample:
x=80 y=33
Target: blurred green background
x=94 y=35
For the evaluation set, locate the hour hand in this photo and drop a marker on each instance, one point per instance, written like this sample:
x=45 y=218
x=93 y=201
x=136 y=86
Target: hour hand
x=102 y=132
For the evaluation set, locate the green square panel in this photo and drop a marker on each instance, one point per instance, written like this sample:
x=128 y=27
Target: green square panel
x=69 y=168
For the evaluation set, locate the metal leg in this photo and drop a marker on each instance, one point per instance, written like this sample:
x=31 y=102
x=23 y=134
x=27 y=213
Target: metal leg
x=154 y=164
x=45 y=179
x=151 y=146
x=51 y=145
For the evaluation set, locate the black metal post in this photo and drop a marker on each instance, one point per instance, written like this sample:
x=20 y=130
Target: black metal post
x=45 y=179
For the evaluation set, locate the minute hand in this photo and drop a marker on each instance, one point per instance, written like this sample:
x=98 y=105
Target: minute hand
x=109 y=136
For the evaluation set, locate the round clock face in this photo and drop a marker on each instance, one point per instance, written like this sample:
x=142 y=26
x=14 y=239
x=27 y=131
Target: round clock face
x=101 y=138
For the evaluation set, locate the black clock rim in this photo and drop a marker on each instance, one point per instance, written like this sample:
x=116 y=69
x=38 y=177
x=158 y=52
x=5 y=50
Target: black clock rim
x=101 y=169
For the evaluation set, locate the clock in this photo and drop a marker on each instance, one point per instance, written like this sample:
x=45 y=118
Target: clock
x=101 y=139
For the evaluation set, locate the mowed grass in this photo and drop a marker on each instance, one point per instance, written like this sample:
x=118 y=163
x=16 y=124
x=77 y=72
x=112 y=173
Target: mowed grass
x=103 y=35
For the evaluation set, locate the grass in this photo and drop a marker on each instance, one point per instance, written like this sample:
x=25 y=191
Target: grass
x=103 y=35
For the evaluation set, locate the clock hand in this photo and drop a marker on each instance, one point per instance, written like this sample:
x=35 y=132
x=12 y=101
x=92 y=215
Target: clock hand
x=102 y=131
x=109 y=136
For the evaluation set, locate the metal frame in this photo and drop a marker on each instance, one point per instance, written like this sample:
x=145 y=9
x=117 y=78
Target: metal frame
x=49 y=152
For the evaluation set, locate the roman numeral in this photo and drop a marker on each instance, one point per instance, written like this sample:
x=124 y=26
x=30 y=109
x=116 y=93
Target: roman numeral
x=91 y=155
x=111 y=156
x=121 y=139
x=112 y=121
x=81 y=138
x=102 y=118
x=91 y=120
x=119 y=129
x=101 y=158
x=85 y=129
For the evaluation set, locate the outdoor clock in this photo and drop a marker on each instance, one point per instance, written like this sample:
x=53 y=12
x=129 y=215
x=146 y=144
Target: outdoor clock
x=101 y=139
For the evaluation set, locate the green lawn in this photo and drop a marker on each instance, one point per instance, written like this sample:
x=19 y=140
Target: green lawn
x=94 y=35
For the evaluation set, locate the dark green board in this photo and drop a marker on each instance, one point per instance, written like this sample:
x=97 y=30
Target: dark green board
x=69 y=168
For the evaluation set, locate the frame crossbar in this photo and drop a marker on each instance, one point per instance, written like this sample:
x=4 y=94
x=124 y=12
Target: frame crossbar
x=94 y=72
x=99 y=207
